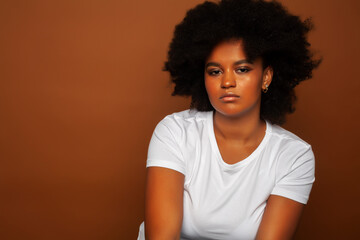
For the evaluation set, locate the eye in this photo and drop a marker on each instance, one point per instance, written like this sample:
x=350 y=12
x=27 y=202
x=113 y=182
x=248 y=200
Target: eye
x=214 y=72
x=242 y=70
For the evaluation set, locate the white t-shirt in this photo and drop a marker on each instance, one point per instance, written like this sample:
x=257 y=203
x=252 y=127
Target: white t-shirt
x=227 y=201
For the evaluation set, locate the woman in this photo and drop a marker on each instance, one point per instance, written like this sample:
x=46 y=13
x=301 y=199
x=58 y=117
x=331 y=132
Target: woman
x=224 y=169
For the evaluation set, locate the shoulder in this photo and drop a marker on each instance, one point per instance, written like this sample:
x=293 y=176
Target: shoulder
x=289 y=149
x=175 y=139
x=183 y=121
x=294 y=165
x=186 y=116
x=286 y=139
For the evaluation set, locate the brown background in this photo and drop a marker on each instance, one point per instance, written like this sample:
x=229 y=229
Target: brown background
x=81 y=90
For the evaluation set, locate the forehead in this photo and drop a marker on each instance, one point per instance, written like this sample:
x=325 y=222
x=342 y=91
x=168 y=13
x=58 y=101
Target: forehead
x=230 y=49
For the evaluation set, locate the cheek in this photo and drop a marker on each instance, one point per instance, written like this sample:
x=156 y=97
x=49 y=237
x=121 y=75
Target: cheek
x=210 y=88
x=253 y=84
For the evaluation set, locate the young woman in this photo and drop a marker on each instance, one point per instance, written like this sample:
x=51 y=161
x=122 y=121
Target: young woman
x=225 y=169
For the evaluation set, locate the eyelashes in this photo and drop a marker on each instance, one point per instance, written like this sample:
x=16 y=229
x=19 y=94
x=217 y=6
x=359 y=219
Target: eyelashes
x=242 y=70
x=214 y=72
x=217 y=72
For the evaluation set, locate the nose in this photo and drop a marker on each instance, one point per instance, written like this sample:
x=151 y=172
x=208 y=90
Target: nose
x=228 y=80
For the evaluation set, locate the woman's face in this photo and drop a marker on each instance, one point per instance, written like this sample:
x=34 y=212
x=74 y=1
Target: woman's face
x=232 y=82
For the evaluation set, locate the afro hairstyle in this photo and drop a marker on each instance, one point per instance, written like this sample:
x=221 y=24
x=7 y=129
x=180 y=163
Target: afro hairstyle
x=267 y=30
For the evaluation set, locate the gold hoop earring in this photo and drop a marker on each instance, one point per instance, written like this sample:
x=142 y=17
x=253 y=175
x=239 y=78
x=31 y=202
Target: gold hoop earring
x=266 y=88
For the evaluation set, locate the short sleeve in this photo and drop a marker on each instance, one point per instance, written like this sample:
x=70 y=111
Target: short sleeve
x=295 y=175
x=164 y=150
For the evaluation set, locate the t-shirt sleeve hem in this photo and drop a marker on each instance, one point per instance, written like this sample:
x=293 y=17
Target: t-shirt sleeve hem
x=290 y=195
x=165 y=164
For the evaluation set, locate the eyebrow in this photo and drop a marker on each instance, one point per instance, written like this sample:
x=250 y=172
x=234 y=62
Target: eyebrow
x=214 y=64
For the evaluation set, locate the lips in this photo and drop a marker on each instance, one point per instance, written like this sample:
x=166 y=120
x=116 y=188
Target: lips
x=229 y=97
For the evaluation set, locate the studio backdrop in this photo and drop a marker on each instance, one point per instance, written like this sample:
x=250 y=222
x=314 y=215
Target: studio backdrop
x=82 y=89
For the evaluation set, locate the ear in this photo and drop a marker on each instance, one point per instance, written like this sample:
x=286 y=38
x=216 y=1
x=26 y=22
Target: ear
x=267 y=77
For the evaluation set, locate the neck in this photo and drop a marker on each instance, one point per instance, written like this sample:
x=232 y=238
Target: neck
x=239 y=128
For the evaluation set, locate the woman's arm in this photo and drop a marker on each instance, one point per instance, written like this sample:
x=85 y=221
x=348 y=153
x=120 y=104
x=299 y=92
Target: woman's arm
x=280 y=219
x=163 y=203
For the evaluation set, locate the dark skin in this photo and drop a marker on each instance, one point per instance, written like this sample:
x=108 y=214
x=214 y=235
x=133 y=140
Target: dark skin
x=164 y=203
x=234 y=87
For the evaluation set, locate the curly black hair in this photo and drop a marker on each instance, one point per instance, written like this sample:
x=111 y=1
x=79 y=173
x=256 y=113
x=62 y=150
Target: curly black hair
x=267 y=31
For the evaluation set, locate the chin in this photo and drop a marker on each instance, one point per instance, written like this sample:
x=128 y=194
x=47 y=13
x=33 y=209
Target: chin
x=230 y=112
x=235 y=111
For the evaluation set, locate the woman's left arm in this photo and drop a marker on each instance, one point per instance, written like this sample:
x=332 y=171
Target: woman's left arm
x=280 y=219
